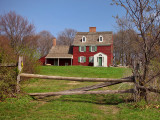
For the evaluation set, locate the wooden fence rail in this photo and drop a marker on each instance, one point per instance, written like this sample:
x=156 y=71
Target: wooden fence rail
x=92 y=87
x=82 y=92
x=88 y=88
x=77 y=91
x=80 y=79
x=8 y=65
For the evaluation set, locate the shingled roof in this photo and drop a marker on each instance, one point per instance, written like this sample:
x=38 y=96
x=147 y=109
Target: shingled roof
x=60 y=52
x=92 y=38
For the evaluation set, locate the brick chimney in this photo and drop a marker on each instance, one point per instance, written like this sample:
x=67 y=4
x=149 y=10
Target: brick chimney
x=92 y=29
x=54 y=41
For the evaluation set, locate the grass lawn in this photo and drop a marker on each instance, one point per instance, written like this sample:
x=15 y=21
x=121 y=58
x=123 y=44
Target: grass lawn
x=85 y=71
x=74 y=107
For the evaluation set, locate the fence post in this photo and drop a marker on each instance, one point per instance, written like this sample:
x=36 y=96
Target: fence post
x=20 y=66
x=135 y=75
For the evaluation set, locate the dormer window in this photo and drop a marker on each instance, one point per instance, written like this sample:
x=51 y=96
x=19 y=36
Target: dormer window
x=83 y=39
x=100 y=38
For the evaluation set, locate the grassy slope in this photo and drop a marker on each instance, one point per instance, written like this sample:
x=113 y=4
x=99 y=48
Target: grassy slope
x=76 y=71
x=73 y=107
x=81 y=71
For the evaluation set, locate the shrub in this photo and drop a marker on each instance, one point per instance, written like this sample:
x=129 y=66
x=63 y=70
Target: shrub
x=8 y=75
x=7 y=82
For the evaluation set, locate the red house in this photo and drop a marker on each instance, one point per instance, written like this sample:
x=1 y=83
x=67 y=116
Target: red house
x=89 y=49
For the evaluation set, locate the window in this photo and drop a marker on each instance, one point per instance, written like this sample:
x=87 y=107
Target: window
x=82 y=48
x=83 y=39
x=93 y=48
x=100 y=38
x=91 y=59
x=82 y=59
x=66 y=64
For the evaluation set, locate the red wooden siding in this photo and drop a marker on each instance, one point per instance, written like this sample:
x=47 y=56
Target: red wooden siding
x=104 y=49
x=42 y=60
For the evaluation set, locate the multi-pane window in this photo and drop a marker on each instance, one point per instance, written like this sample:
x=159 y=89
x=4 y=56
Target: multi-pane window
x=100 y=39
x=83 y=39
x=91 y=59
x=81 y=59
x=92 y=48
x=82 y=48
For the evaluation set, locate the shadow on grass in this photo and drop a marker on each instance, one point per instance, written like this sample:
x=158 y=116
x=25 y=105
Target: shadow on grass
x=95 y=99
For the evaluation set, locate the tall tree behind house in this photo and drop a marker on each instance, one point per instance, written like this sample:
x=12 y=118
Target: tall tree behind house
x=45 y=42
x=66 y=37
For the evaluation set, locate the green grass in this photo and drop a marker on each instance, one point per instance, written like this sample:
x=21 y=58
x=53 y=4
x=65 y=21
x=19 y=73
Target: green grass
x=43 y=85
x=74 y=107
x=128 y=112
x=85 y=71
x=82 y=107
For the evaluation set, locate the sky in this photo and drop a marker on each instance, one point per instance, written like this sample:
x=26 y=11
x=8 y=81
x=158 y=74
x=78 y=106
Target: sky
x=56 y=15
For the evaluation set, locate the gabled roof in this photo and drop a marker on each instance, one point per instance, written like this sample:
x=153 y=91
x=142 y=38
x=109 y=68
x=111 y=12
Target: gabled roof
x=92 y=38
x=60 y=52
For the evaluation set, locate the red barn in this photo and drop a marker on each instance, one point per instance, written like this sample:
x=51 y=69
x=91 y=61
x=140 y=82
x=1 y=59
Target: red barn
x=89 y=49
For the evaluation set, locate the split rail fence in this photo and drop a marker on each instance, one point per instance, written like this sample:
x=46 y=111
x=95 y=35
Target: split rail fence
x=83 y=90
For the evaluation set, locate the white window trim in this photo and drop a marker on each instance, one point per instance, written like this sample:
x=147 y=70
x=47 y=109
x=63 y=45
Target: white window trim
x=83 y=37
x=80 y=48
x=99 y=38
x=92 y=59
x=81 y=58
x=94 y=48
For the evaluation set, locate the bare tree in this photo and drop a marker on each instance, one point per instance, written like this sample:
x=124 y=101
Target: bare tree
x=124 y=39
x=31 y=41
x=21 y=38
x=145 y=17
x=119 y=40
x=45 y=42
x=15 y=27
x=66 y=37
